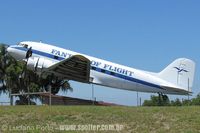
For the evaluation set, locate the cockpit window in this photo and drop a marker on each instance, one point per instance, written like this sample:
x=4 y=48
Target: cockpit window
x=23 y=45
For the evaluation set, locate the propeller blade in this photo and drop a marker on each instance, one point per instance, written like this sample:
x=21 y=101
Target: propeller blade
x=29 y=53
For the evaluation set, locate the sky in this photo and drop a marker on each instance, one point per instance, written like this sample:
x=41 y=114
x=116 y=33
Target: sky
x=143 y=34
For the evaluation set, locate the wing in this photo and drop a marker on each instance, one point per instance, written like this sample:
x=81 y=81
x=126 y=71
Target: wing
x=75 y=68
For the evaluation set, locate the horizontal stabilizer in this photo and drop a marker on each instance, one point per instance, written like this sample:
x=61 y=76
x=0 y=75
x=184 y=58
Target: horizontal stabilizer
x=177 y=90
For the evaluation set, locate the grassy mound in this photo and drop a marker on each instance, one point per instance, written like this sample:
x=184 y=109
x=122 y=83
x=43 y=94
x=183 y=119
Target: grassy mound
x=99 y=119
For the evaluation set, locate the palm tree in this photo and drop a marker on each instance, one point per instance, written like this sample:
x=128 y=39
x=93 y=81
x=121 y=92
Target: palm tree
x=3 y=65
x=55 y=84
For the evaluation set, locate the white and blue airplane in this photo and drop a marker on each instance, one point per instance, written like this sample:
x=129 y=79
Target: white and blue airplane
x=45 y=59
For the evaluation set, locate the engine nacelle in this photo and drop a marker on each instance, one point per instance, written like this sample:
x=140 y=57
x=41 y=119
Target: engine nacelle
x=38 y=64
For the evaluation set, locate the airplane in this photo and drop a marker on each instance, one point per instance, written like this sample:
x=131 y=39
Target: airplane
x=45 y=59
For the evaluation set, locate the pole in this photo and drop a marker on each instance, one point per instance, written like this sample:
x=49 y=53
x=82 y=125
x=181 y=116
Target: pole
x=11 y=100
x=11 y=97
x=50 y=96
x=92 y=94
x=188 y=90
x=91 y=81
x=137 y=98
x=28 y=90
x=28 y=96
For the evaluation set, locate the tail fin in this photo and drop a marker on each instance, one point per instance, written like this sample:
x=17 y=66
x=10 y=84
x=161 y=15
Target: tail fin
x=180 y=72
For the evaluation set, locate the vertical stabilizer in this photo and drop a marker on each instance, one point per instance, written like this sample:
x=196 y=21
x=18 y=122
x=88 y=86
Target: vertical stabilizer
x=180 y=72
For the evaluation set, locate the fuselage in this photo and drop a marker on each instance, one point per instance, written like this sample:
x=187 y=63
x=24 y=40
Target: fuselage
x=102 y=72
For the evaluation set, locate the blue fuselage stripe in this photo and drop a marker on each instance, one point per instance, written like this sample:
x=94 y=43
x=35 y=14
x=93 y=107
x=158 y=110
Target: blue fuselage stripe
x=95 y=69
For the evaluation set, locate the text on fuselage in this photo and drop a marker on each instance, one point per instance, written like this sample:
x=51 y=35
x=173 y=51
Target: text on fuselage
x=96 y=64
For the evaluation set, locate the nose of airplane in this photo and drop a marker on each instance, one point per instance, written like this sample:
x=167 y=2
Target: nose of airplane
x=9 y=50
x=16 y=52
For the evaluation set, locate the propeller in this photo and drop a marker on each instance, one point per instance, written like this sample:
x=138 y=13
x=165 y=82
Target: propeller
x=28 y=55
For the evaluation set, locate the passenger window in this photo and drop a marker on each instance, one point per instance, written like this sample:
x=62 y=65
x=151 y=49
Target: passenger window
x=25 y=46
x=56 y=57
x=112 y=73
x=93 y=68
x=103 y=71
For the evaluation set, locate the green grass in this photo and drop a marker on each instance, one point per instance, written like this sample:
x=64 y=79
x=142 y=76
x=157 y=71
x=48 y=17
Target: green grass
x=132 y=119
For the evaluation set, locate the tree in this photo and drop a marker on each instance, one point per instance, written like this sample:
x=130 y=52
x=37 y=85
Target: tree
x=177 y=102
x=186 y=102
x=3 y=65
x=157 y=101
x=196 y=101
x=148 y=103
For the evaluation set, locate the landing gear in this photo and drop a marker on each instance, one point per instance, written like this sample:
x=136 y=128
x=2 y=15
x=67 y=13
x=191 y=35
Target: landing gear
x=162 y=99
x=159 y=99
